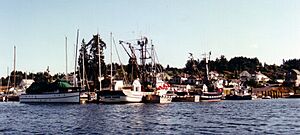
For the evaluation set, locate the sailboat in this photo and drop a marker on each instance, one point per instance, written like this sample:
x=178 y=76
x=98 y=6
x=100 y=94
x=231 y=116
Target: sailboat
x=12 y=93
x=59 y=91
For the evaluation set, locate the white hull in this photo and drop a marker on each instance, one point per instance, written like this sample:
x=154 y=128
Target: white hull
x=128 y=97
x=72 y=97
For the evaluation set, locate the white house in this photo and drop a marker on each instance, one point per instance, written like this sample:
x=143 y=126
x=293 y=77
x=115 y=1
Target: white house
x=245 y=76
x=261 y=78
x=25 y=83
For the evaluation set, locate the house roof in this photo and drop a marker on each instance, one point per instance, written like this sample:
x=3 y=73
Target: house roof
x=296 y=71
x=245 y=74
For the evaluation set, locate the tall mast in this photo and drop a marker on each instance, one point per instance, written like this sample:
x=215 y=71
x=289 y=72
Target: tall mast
x=206 y=64
x=66 y=58
x=111 y=68
x=83 y=67
x=153 y=64
x=14 y=66
x=75 y=67
x=99 y=57
x=153 y=58
x=8 y=83
x=143 y=43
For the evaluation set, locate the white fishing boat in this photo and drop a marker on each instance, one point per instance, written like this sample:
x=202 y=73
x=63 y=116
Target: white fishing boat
x=57 y=92
x=122 y=94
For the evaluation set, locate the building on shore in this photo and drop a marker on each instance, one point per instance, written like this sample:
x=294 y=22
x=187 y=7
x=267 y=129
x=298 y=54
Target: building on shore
x=292 y=78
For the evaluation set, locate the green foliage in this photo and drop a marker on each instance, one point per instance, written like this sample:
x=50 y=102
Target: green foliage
x=222 y=64
x=243 y=63
x=291 y=64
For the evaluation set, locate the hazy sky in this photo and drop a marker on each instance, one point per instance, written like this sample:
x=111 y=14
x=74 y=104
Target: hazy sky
x=266 y=29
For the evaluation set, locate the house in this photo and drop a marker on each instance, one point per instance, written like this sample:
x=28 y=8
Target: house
x=25 y=83
x=260 y=78
x=292 y=78
x=245 y=76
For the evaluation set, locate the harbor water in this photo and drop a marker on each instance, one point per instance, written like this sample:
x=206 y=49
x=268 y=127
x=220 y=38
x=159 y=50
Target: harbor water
x=278 y=116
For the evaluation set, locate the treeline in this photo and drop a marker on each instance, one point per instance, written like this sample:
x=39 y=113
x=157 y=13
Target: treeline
x=231 y=68
x=37 y=77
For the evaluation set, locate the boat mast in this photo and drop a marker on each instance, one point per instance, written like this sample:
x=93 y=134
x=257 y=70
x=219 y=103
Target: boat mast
x=153 y=64
x=66 y=58
x=99 y=57
x=14 y=66
x=111 y=64
x=75 y=67
x=83 y=67
x=143 y=50
x=206 y=64
x=8 y=82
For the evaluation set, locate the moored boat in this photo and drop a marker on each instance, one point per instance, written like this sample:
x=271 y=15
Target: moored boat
x=243 y=92
x=238 y=97
x=212 y=88
x=69 y=97
x=122 y=94
x=210 y=97
x=57 y=92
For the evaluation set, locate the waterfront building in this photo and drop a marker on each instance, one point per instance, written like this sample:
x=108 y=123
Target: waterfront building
x=292 y=78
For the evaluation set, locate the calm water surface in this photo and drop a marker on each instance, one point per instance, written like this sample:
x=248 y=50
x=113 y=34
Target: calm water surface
x=281 y=116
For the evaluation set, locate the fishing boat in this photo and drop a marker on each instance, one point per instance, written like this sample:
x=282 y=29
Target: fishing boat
x=59 y=91
x=161 y=94
x=241 y=93
x=212 y=88
x=122 y=94
x=211 y=93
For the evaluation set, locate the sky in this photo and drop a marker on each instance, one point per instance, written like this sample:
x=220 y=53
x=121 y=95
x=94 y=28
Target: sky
x=266 y=29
